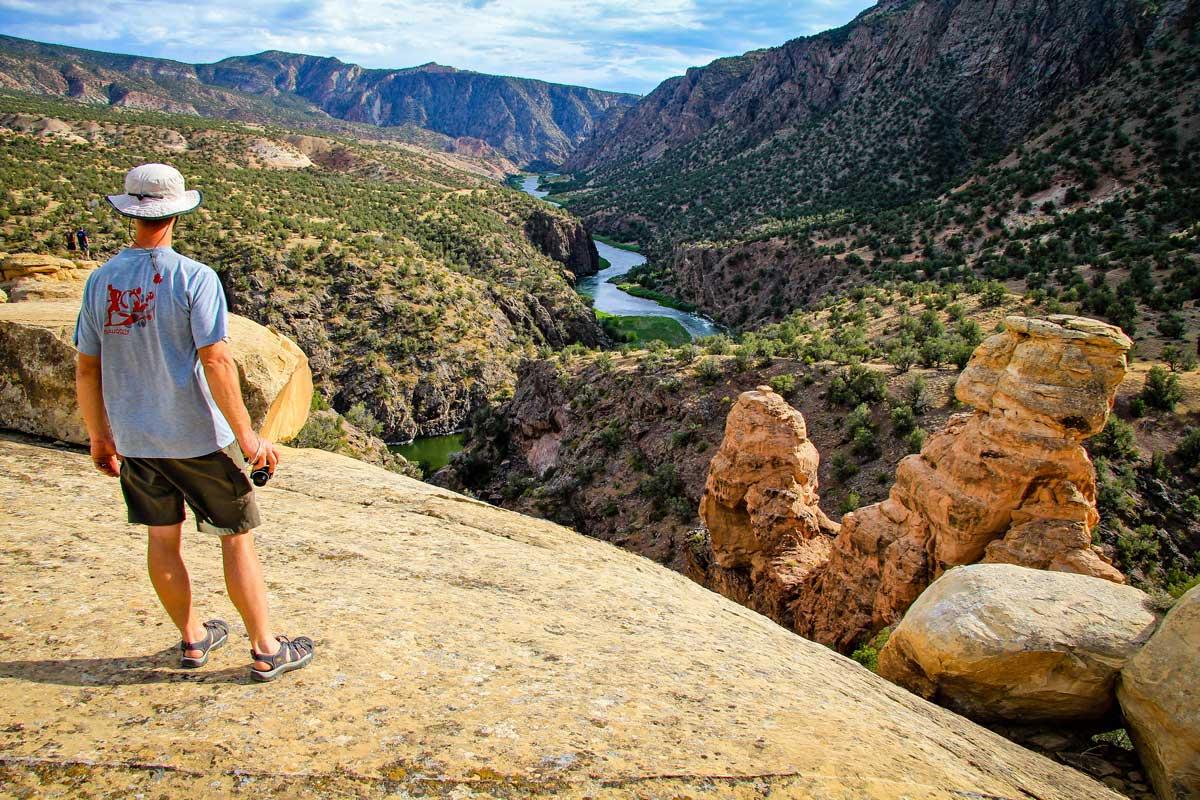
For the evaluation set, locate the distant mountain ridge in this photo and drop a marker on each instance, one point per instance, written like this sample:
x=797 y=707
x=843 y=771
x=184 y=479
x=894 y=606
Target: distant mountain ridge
x=534 y=123
x=881 y=111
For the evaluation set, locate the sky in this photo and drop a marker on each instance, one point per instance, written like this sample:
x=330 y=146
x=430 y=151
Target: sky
x=621 y=45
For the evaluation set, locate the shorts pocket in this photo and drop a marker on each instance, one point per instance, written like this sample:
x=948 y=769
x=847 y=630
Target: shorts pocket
x=234 y=464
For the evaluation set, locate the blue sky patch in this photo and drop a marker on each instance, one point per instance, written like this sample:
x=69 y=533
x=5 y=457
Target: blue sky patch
x=625 y=45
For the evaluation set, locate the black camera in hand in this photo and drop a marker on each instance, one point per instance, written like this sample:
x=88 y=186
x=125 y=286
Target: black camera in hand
x=260 y=476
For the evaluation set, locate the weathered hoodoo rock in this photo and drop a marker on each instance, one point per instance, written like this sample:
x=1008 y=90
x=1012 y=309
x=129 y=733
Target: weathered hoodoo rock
x=37 y=373
x=1009 y=482
x=760 y=504
x=998 y=641
x=1159 y=691
x=462 y=651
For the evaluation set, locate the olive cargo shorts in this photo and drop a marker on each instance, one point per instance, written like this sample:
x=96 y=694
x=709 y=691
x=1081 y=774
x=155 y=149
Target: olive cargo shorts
x=216 y=488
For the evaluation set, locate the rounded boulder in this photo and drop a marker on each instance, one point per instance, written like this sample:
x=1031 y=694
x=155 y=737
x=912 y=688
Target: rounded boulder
x=1003 y=642
x=37 y=373
x=1159 y=691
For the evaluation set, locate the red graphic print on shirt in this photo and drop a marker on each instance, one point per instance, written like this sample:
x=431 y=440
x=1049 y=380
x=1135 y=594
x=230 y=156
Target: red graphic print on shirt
x=128 y=308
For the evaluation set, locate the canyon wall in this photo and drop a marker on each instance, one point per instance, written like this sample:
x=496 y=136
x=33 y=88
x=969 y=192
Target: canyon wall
x=534 y=123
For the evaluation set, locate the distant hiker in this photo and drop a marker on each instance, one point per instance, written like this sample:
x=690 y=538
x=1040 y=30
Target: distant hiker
x=85 y=247
x=70 y=241
x=158 y=388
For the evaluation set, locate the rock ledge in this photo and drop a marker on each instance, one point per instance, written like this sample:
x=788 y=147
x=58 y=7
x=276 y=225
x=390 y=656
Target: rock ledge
x=462 y=650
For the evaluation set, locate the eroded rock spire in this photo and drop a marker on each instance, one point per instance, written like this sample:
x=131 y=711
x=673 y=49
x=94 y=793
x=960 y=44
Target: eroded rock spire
x=1006 y=482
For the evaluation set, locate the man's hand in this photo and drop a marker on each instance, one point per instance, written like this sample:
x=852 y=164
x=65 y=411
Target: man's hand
x=105 y=457
x=222 y=373
x=259 y=451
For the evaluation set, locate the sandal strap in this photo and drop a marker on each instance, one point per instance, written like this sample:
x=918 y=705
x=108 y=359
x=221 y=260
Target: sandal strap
x=213 y=626
x=289 y=650
x=201 y=645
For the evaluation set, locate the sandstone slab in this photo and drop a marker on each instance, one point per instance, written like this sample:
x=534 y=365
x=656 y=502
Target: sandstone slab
x=462 y=650
x=33 y=276
x=1159 y=691
x=37 y=373
x=998 y=641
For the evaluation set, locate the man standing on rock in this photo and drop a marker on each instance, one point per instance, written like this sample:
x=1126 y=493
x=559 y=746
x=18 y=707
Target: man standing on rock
x=159 y=391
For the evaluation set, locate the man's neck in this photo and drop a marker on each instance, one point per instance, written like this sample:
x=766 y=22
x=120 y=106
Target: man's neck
x=150 y=242
x=150 y=239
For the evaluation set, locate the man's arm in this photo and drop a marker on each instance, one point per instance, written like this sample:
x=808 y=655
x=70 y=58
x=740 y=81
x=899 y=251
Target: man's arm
x=89 y=393
x=221 y=371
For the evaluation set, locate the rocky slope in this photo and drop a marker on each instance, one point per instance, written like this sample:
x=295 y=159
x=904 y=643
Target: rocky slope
x=882 y=110
x=575 y=685
x=414 y=285
x=1094 y=209
x=534 y=123
x=618 y=447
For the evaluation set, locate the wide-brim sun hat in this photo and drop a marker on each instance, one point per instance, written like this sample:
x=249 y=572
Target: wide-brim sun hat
x=155 y=192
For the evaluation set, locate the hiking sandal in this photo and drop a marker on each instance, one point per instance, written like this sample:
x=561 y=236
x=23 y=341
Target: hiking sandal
x=293 y=654
x=216 y=633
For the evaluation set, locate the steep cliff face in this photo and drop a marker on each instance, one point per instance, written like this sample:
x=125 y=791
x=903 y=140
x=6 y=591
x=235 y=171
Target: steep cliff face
x=882 y=110
x=534 y=123
x=1009 y=482
x=564 y=240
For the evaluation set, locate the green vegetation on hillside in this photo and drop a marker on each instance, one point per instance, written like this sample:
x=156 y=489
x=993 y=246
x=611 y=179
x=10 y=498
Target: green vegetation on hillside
x=1096 y=213
x=411 y=284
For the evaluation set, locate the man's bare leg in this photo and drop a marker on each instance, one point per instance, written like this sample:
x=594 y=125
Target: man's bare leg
x=244 y=581
x=170 y=578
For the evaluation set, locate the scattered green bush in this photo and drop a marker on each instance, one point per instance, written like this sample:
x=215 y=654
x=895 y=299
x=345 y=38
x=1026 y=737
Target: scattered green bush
x=1162 y=390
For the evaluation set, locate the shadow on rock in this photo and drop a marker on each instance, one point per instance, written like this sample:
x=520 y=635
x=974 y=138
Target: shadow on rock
x=157 y=667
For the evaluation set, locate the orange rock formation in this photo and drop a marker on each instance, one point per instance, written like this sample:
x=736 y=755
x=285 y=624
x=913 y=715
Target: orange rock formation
x=1008 y=482
x=760 y=504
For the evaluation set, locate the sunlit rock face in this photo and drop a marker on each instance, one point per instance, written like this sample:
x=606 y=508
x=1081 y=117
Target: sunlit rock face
x=760 y=503
x=1007 y=482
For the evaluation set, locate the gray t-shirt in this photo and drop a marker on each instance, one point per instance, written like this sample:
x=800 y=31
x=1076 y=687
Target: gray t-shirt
x=145 y=313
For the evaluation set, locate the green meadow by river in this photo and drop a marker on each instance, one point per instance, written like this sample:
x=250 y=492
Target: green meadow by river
x=431 y=452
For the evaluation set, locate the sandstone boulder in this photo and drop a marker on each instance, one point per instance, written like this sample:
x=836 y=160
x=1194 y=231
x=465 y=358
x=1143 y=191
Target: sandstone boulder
x=1159 y=691
x=37 y=373
x=1009 y=482
x=760 y=502
x=23 y=265
x=32 y=276
x=276 y=382
x=462 y=651
x=997 y=641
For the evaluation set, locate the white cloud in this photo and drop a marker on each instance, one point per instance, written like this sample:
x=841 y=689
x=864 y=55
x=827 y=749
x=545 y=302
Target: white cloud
x=613 y=44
